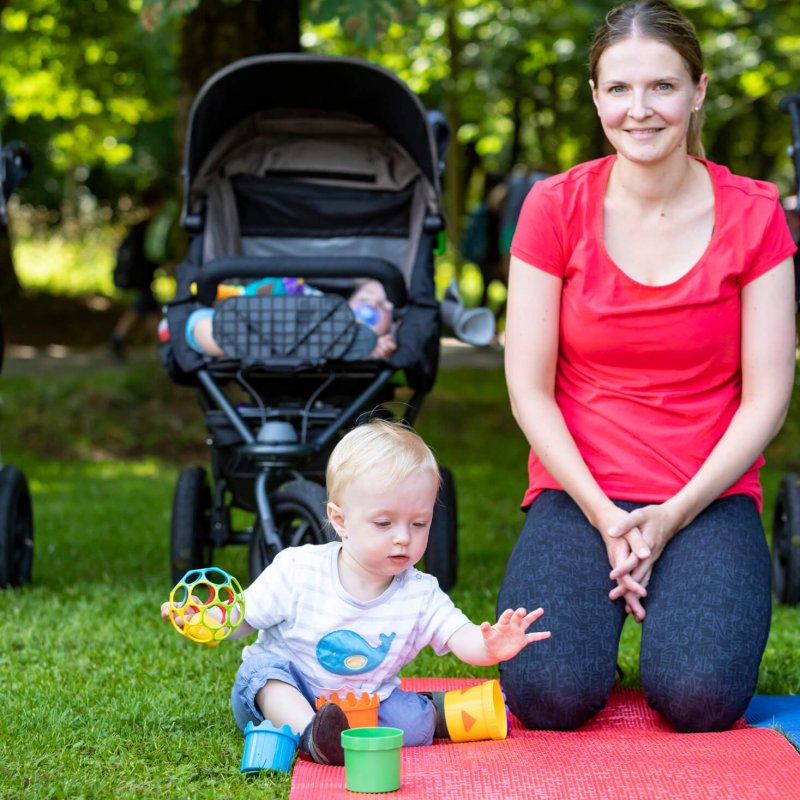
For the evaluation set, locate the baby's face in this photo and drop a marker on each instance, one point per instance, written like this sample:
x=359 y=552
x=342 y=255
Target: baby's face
x=371 y=305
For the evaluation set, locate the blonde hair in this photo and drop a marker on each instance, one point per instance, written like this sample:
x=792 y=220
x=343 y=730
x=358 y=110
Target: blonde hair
x=392 y=450
x=661 y=21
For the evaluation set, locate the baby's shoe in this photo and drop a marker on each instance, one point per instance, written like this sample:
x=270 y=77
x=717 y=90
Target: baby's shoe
x=321 y=741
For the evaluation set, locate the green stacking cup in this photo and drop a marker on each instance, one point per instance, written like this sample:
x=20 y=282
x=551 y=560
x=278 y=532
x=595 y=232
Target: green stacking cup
x=372 y=759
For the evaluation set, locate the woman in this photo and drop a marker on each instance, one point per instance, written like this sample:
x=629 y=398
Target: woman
x=649 y=360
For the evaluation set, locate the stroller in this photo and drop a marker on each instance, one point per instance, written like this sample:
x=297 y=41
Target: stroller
x=324 y=169
x=786 y=518
x=16 y=513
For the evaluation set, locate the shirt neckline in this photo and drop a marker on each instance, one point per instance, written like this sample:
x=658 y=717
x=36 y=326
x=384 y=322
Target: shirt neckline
x=600 y=230
x=351 y=599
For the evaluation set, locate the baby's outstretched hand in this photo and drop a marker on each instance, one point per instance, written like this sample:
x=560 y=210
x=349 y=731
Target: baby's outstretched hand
x=508 y=635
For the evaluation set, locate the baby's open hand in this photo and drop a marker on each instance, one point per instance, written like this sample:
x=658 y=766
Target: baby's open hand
x=508 y=635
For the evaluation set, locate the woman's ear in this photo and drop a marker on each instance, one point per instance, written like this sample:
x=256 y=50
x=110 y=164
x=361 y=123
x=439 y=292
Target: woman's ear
x=336 y=518
x=594 y=91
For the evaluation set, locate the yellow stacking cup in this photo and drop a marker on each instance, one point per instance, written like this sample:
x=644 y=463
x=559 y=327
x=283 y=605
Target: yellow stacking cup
x=475 y=713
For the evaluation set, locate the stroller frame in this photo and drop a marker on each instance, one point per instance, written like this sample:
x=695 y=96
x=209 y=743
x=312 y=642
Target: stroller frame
x=269 y=454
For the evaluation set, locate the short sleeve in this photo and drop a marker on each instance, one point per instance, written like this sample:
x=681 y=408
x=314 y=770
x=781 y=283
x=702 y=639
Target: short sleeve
x=440 y=620
x=263 y=606
x=539 y=236
x=773 y=245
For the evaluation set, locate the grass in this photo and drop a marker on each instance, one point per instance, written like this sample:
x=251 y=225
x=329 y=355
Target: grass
x=99 y=697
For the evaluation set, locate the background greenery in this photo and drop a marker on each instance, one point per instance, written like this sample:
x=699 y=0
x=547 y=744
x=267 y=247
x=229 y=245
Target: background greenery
x=100 y=91
x=99 y=697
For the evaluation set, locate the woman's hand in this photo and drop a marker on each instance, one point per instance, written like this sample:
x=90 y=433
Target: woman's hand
x=653 y=526
x=625 y=554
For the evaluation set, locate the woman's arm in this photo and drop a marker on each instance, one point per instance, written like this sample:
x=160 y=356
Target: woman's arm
x=531 y=353
x=768 y=363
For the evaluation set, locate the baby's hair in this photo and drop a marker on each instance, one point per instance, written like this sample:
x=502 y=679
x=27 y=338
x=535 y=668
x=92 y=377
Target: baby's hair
x=392 y=450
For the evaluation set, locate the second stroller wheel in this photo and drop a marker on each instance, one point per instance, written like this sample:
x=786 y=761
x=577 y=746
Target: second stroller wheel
x=299 y=511
x=441 y=555
x=16 y=528
x=190 y=530
x=786 y=541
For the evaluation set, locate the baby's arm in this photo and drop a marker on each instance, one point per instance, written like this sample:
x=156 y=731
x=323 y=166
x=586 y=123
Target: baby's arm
x=485 y=644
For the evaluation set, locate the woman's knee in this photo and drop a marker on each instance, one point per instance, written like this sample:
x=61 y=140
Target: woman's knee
x=698 y=703
x=563 y=703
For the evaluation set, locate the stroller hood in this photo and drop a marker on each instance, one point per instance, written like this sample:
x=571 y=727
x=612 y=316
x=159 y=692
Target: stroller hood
x=316 y=83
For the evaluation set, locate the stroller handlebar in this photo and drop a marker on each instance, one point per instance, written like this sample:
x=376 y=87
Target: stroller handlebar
x=218 y=270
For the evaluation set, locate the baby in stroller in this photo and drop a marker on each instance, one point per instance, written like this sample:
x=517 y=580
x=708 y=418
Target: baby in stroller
x=369 y=304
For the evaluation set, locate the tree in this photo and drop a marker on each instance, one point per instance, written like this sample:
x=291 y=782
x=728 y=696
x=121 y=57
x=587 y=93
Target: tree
x=90 y=96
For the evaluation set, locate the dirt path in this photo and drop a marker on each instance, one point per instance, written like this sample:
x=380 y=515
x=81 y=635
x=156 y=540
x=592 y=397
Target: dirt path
x=57 y=359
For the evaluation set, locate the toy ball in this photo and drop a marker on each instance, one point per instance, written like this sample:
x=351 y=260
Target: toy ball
x=209 y=604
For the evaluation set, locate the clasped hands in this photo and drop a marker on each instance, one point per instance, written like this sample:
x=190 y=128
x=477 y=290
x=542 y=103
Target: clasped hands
x=634 y=541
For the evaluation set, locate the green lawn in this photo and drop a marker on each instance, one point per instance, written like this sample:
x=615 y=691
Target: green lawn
x=99 y=697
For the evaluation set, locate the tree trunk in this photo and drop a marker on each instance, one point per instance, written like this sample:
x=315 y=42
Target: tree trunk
x=217 y=33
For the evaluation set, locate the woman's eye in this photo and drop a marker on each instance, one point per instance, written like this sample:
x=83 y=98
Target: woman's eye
x=616 y=90
x=664 y=87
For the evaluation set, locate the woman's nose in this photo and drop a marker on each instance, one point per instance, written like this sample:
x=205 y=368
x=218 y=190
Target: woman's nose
x=639 y=106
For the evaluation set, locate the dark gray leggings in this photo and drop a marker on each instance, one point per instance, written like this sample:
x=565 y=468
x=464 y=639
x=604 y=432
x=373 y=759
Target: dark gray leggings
x=708 y=616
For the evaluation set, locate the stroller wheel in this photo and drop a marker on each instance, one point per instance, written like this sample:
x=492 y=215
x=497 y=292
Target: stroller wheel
x=441 y=555
x=299 y=510
x=16 y=529
x=786 y=541
x=190 y=531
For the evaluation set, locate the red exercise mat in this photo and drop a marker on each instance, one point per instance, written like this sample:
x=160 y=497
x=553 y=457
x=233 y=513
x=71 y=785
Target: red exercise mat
x=627 y=752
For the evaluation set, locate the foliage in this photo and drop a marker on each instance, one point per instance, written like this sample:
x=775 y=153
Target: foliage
x=365 y=20
x=97 y=99
x=91 y=96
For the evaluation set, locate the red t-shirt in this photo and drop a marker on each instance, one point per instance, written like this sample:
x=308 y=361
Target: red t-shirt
x=648 y=377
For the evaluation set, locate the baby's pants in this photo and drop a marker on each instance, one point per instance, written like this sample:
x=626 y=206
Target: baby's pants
x=708 y=616
x=411 y=712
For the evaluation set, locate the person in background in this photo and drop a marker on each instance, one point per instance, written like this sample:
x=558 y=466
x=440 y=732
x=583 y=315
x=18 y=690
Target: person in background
x=142 y=251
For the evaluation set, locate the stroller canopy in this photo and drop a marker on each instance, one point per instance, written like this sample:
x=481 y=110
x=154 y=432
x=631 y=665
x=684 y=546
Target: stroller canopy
x=315 y=83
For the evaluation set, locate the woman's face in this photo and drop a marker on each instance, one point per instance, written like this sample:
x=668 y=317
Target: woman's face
x=644 y=97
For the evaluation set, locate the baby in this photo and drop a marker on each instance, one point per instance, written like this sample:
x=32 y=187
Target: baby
x=349 y=615
x=369 y=304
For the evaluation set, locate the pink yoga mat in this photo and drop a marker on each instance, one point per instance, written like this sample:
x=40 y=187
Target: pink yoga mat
x=627 y=752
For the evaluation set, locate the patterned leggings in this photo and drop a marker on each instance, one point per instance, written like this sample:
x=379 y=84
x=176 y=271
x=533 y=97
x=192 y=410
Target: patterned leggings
x=708 y=616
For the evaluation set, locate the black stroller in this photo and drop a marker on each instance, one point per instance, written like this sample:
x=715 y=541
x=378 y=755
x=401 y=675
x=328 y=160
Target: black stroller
x=16 y=512
x=325 y=169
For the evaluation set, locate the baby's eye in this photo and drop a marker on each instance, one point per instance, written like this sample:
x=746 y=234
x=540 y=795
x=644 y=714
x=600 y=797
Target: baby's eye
x=420 y=524
x=382 y=523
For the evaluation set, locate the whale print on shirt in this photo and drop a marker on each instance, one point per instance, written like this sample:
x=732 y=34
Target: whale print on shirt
x=348 y=653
